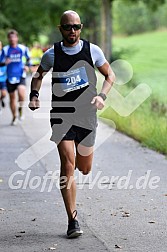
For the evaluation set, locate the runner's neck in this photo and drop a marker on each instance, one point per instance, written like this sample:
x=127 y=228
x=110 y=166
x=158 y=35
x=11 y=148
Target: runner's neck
x=70 y=45
x=13 y=46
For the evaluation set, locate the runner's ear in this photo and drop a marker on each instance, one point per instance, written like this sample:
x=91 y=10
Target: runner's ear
x=59 y=27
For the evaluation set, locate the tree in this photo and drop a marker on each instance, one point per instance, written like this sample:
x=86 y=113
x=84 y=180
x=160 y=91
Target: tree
x=106 y=27
x=106 y=22
x=32 y=18
x=29 y=18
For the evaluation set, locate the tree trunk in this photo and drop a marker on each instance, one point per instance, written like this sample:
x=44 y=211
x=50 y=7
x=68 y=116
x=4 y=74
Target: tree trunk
x=94 y=32
x=106 y=28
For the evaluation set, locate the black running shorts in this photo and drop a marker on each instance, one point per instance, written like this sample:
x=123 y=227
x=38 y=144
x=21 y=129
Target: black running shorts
x=12 y=87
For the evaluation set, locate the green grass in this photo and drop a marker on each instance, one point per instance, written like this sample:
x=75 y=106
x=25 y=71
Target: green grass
x=149 y=59
x=148 y=123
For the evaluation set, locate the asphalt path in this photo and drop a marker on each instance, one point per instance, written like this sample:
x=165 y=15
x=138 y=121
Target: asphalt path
x=121 y=204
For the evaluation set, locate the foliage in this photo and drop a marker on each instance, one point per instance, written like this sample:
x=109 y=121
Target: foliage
x=147 y=124
x=138 y=16
x=31 y=18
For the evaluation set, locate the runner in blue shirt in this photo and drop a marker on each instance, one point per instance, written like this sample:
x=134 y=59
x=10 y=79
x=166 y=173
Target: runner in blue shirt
x=2 y=81
x=12 y=56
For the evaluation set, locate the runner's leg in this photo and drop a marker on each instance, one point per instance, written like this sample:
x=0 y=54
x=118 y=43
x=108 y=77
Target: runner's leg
x=3 y=93
x=21 y=96
x=12 y=97
x=84 y=158
x=67 y=158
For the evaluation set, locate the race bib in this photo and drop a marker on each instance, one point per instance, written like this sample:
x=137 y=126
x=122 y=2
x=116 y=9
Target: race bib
x=2 y=70
x=2 y=73
x=13 y=80
x=72 y=80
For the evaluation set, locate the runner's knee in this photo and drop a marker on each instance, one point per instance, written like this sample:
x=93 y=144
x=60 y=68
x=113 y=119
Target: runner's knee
x=85 y=169
x=3 y=93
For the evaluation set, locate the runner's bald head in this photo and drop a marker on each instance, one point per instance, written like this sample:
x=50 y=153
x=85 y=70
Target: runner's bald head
x=69 y=16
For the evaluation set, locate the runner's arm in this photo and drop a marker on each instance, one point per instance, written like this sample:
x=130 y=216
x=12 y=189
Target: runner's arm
x=27 y=55
x=47 y=62
x=4 y=60
x=35 y=87
x=2 y=64
x=109 y=75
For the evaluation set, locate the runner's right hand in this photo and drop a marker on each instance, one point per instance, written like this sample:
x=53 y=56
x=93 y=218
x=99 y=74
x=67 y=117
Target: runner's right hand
x=34 y=103
x=7 y=61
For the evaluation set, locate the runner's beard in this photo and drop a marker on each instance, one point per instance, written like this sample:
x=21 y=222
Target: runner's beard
x=70 y=40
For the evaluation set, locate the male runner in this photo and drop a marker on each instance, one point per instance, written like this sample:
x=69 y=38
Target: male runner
x=74 y=125
x=12 y=56
x=2 y=81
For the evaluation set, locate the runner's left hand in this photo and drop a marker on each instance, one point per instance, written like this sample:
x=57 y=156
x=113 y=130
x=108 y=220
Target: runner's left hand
x=98 y=102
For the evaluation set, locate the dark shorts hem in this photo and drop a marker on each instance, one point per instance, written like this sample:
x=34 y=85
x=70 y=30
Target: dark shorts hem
x=77 y=134
x=12 y=87
x=3 y=85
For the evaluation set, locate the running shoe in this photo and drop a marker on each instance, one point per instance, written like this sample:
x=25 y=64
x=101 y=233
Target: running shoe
x=73 y=227
x=14 y=121
x=21 y=116
x=3 y=103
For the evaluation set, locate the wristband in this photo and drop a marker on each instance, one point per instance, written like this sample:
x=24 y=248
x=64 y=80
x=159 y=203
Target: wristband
x=34 y=93
x=103 y=96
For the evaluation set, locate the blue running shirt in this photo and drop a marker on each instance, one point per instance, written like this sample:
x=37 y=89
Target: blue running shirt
x=15 y=69
x=3 y=74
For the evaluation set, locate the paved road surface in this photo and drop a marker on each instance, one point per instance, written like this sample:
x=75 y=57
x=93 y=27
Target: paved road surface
x=113 y=218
